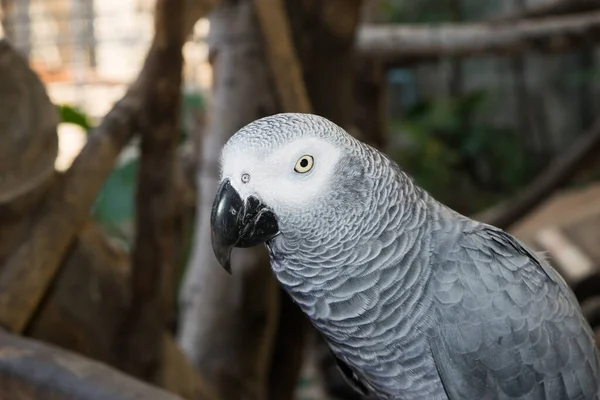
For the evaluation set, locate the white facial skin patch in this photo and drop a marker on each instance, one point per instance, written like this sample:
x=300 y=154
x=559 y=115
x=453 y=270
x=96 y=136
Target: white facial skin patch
x=272 y=177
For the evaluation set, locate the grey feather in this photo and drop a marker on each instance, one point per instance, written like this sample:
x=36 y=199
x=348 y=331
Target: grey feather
x=416 y=300
x=537 y=337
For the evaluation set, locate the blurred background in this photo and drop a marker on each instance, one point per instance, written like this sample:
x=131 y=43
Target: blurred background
x=112 y=115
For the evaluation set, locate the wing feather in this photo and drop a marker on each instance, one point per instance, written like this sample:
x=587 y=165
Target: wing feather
x=508 y=326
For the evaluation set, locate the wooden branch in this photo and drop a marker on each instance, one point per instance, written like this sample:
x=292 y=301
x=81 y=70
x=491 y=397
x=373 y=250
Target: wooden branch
x=571 y=260
x=32 y=370
x=409 y=43
x=152 y=254
x=560 y=171
x=83 y=308
x=27 y=274
x=285 y=67
x=179 y=376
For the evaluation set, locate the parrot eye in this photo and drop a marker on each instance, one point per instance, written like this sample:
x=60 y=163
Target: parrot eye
x=304 y=164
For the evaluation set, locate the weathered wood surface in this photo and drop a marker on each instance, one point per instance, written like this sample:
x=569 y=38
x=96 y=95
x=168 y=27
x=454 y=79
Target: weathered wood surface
x=571 y=210
x=28 y=119
x=88 y=297
x=30 y=370
x=153 y=260
x=85 y=305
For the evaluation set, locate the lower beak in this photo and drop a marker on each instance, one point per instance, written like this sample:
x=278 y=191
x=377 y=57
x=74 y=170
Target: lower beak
x=235 y=223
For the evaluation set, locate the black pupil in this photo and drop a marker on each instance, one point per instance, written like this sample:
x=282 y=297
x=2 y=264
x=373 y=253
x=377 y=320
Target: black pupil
x=304 y=163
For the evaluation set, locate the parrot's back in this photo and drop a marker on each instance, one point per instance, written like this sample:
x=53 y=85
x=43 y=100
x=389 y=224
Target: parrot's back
x=470 y=313
x=506 y=324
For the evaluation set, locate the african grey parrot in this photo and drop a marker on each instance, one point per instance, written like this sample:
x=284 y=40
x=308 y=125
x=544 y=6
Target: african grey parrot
x=415 y=300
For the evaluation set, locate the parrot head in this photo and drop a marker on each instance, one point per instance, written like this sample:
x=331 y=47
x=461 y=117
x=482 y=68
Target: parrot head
x=286 y=177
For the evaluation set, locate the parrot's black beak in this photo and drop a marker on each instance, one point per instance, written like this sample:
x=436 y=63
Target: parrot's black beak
x=235 y=223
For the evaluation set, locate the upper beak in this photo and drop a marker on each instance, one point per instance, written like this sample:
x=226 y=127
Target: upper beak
x=238 y=223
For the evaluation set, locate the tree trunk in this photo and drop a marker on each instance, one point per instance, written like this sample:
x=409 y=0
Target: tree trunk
x=228 y=321
x=370 y=94
x=152 y=254
x=324 y=35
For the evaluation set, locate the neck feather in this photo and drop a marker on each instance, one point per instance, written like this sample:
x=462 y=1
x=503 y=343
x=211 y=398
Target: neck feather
x=378 y=255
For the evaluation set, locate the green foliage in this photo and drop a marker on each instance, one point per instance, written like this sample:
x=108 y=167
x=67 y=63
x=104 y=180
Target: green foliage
x=585 y=76
x=73 y=115
x=192 y=107
x=423 y=11
x=448 y=146
x=114 y=207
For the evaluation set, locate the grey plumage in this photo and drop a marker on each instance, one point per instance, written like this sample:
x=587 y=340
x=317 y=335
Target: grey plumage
x=418 y=301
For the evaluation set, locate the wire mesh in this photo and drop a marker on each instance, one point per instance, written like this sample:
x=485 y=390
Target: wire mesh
x=87 y=52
